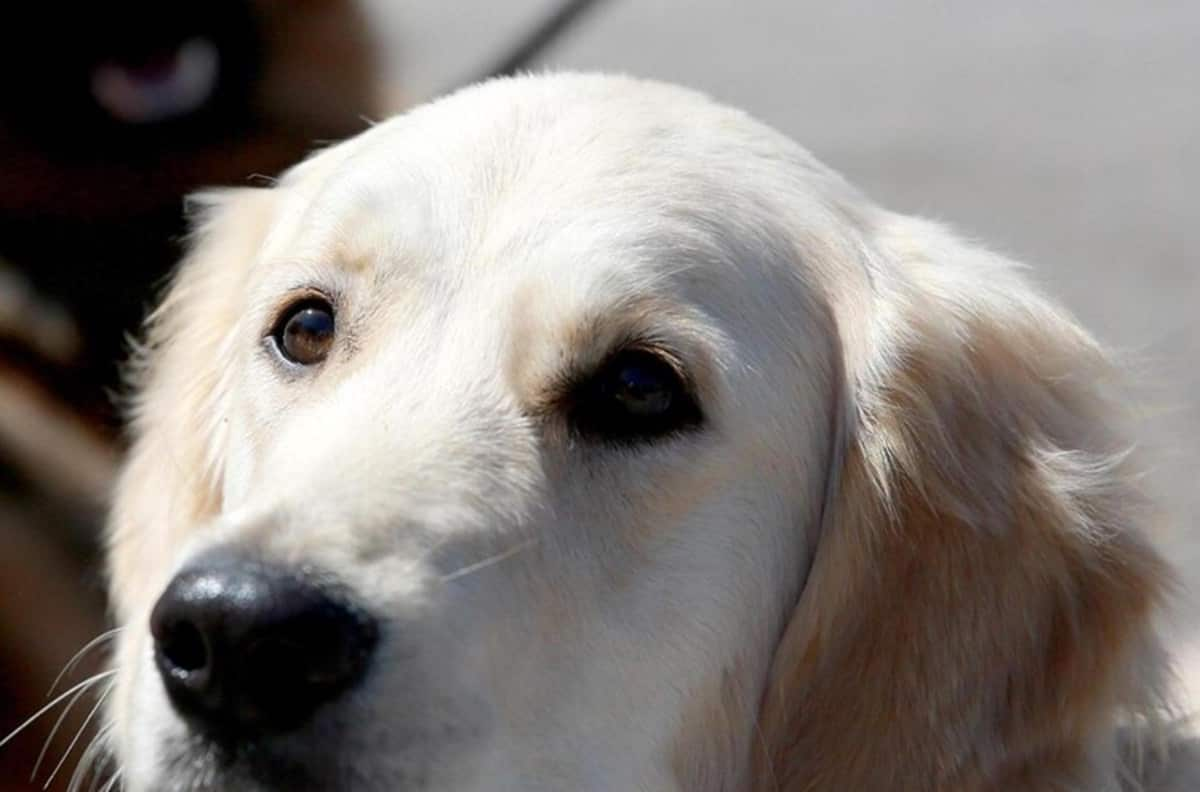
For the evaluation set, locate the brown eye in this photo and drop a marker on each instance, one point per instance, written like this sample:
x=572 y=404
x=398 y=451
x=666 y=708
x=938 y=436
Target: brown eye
x=304 y=332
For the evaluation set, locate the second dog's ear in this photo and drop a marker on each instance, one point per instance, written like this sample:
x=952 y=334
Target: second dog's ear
x=977 y=612
x=171 y=478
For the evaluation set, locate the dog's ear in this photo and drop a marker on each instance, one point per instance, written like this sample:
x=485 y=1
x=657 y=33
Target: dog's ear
x=172 y=474
x=976 y=614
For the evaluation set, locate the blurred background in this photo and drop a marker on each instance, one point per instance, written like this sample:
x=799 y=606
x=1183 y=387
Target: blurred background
x=1066 y=135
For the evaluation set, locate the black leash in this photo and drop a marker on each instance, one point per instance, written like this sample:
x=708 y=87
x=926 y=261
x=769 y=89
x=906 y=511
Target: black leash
x=527 y=50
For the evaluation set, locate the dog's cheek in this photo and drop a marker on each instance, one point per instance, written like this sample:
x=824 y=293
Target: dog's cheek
x=137 y=711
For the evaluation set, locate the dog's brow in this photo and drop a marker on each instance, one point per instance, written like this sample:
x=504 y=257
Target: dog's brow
x=582 y=342
x=361 y=218
x=352 y=257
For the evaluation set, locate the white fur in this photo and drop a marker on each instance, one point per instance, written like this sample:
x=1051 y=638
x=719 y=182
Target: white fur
x=554 y=609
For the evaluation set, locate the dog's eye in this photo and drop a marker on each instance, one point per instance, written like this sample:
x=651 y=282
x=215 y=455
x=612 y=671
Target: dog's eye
x=304 y=332
x=636 y=394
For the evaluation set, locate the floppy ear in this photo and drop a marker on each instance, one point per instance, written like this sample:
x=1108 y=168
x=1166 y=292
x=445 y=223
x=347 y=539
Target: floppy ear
x=976 y=615
x=171 y=476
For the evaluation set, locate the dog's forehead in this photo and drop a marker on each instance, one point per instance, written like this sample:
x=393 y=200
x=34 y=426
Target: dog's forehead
x=483 y=177
x=575 y=198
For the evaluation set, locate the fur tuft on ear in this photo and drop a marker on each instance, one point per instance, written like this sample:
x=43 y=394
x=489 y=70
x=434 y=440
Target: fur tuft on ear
x=171 y=477
x=977 y=615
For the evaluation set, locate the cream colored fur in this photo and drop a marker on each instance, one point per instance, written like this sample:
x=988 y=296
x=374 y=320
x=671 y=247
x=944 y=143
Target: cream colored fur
x=906 y=550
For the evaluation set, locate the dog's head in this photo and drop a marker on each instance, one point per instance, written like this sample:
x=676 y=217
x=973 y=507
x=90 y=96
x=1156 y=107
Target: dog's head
x=578 y=433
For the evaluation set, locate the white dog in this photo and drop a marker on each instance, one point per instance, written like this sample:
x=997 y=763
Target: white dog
x=578 y=433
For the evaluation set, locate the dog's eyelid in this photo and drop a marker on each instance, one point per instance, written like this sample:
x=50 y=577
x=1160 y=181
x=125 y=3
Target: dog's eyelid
x=579 y=371
x=661 y=350
x=294 y=295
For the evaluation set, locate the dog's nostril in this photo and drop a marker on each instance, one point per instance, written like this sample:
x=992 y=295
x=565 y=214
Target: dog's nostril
x=245 y=648
x=183 y=647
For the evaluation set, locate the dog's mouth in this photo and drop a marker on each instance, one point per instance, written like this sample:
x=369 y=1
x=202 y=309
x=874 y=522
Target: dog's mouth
x=196 y=763
x=249 y=763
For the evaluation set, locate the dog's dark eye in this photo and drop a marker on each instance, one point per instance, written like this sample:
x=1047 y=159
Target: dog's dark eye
x=636 y=394
x=304 y=332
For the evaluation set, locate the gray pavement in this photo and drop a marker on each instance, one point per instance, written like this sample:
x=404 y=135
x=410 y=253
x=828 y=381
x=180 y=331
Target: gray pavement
x=1065 y=134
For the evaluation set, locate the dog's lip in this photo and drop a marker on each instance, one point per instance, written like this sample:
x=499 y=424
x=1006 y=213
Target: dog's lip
x=172 y=84
x=260 y=764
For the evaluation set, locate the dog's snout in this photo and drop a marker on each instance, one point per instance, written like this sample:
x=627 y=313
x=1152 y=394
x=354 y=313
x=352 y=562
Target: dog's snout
x=245 y=648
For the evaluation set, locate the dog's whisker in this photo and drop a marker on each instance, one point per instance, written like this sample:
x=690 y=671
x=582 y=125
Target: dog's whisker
x=116 y=779
x=205 y=780
x=768 y=759
x=110 y=771
x=107 y=768
x=100 y=639
x=92 y=680
x=87 y=762
x=490 y=561
x=79 y=733
x=423 y=557
x=112 y=782
x=62 y=716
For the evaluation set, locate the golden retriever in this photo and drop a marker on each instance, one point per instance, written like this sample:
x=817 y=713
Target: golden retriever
x=578 y=433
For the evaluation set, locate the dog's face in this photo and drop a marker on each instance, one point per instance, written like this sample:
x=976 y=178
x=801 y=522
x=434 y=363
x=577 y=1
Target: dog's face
x=527 y=413
x=492 y=450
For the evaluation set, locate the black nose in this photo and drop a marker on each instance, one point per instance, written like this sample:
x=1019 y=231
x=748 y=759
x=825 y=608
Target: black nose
x=247 y=649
